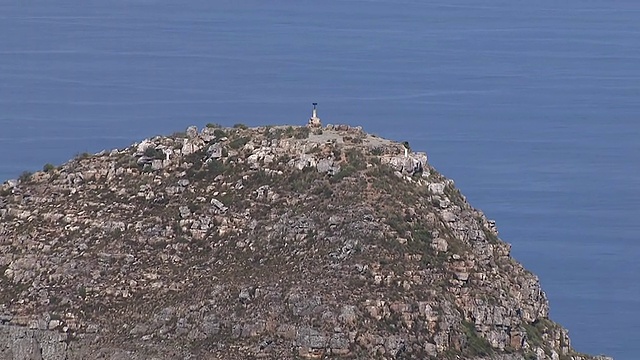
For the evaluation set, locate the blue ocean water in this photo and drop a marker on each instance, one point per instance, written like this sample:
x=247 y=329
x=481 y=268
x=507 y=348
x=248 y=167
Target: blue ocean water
x=533 y=108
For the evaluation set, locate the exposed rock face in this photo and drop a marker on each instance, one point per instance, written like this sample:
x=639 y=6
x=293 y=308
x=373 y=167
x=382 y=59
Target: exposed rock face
x=274 y=242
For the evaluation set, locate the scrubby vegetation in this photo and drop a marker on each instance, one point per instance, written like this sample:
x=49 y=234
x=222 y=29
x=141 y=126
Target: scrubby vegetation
x=274 y=242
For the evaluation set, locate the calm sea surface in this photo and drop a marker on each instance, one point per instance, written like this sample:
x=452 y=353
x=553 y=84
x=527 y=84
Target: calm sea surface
x=532 y=107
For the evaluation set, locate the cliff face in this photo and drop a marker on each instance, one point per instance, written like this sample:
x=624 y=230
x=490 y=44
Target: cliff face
x=273 y=242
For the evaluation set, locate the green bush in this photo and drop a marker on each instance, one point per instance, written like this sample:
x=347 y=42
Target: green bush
x=302 y=133
x=219 y=133
x=289 y=131
x=240 y=126
x=346 y=171
x=422 y=235
x=25 y=176
x=477 y=345
x=397 y=223
x=82 y=292
x=84 y=155
x=48 y=167
x=239 y=142
x=273 y=133
x=356 y=159
x=154 y=153
x=324 y=191
x=215 y=167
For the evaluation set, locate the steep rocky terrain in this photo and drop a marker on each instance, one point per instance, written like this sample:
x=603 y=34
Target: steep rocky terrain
x=271 y=242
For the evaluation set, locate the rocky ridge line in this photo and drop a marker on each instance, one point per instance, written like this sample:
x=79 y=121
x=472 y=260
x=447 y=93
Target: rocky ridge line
x=271 y=242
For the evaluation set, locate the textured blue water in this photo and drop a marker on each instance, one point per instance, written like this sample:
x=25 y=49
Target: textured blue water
x=532 y=107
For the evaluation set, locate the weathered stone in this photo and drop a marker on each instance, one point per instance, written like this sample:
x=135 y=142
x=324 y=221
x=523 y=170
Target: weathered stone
x=327 y=166
x=192 y=132
x=305 y=160
x=144 y=145
x=245 y=294
x=215 y=151
x=437 y=188
x=53 y=324
x=440 y=244
x=185 y=212
x=448 y=216
x=348 y=315
x=20 y=343
x=311 y=338
x=366 y=265
x=158 y=164
x=218 y=205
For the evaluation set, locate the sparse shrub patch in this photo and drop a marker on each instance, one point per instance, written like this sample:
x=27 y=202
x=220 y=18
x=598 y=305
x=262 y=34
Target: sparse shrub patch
x=219 y=133
x=476 y=344
x=356 y=159
x=301 y=132
x=289 y=131
x=25 y=176
x=239 y=142
x=215 y=167
x=84 y=155
x=154 y=153
x=344 y=172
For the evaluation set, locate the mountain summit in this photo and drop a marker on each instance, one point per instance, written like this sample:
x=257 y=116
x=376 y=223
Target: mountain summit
x=275 y=242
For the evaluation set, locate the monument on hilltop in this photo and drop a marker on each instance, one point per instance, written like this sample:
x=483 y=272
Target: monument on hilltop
x=314 y=120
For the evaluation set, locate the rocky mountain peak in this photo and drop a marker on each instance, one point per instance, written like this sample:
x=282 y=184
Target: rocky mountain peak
x=271 y=242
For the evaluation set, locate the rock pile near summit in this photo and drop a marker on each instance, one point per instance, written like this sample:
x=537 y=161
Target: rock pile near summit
x=272 y=242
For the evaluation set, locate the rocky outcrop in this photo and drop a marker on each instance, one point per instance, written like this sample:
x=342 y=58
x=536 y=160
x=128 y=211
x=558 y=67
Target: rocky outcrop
x=273 y=242
x=17 y=342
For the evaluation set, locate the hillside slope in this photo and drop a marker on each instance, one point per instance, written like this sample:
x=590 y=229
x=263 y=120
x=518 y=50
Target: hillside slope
x=272 y=242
